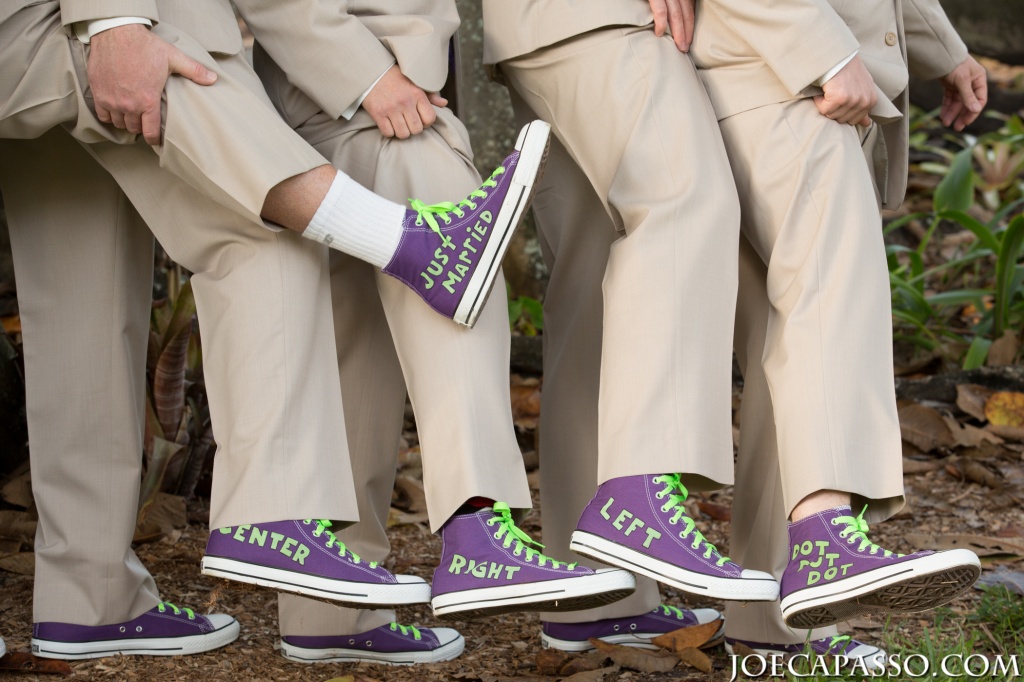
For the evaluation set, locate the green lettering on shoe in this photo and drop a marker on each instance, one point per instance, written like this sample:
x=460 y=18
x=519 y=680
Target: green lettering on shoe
x=258 y=537
x=477 y=570
x=494 y=572
x=636 y=524
x=651 y=535
x=458 y=561
x=813 y=577
x=288 y=544
x=604 y=509
x=511 y=571
x=275 y=540
x=621 y=518
x=226 y=530
x=240 y=533
x=452 y=279
x=300 y=555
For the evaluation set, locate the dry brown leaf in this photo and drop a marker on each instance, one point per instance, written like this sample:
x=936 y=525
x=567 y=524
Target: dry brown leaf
x=550 y=661
x=12 y=324
x=1005 y=408
x=1014 y=433
x=688 y=638
x=924 y=427
x=525 y=404
x=716 y=511
x=742 y=650
x=971 y=399
x=161 y=518
x=27 y=663
x=696 y=658
x=397 y=517
x=979 y=544
x=977 y=472
x=1003 y=350
x=915 y=466
x=968 y=436
x=641 y=660
x=597 y=675
x=22 y=563
x=347 y=678
x=17 y=525
x=18 y=491
x=412 y=498
x=582 y=664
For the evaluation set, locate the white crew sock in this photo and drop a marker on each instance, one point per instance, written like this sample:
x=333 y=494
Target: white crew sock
x=353 y=219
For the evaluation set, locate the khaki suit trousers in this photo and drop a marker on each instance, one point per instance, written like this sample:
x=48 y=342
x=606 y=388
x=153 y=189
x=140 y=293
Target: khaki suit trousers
x=632 y=114
x=387 y=339
x=263 y=300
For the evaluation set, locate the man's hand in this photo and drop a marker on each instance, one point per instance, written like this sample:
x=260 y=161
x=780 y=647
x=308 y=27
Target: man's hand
x=966 y=93
x=399 y=107
x=850 y=95
x=677 y=15
x=128 y=68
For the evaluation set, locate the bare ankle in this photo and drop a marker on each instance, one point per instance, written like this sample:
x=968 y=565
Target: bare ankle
x=817 y=502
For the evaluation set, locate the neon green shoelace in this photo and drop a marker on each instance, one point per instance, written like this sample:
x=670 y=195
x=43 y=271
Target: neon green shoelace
x=427 y=213
x=667 y=610
x=677 y=493
x=856 y=529
x=406 y=629
x=164 y=605
x=507 y=529
x=332 y=540
x=838 y=639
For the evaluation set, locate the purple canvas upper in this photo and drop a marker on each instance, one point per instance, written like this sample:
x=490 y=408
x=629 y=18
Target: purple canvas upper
x=294 y=546
x=656 y=622
x=630 y=511
x=824 y=549
x=152 y=623
x=472 y=557
x=386 y=639
x=825 y=645
x=437 y=268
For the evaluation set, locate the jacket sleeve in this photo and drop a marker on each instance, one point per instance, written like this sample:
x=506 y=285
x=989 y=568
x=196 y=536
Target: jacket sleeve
x=800 y=40
x=326 y=52
x=933 y=46
x=72 y=11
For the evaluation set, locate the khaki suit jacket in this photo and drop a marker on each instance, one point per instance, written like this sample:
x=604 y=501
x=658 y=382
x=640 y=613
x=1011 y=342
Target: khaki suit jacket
x=333 y=50
x=755 y=53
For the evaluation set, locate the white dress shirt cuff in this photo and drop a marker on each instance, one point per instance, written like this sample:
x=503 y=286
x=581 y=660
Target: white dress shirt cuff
x=834 y=70
x=85 y=30
x=351 y=111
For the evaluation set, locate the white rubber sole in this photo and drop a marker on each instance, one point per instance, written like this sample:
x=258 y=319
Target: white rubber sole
x=154 y=646
x=907 y=587
x=532 y=145
x=639 y=640
x=729 y=589
x=408 y=590
x=605 y=586
x=446 y=652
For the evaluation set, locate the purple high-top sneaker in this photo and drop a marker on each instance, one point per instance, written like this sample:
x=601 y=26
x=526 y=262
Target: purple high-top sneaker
x=304 y=557
x=164 y=630
x=640 y=523
x=636 y=631
x=488 y=567
x=860 y=655
x=450 y=254
x=835 y=573
x=392 y=644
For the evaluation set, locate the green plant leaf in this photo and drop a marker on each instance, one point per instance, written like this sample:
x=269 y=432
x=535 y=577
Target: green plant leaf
x=977 y=353
x=956 y=190
x=535 y=309
x=982 y=231
x=959 y=297
x=1006 y=270
x=163 y=451
x=184 y=311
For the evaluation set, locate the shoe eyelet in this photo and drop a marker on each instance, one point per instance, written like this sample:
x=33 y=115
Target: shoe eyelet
x=849 y=541
x=833 y=522
x=138 y=628
x=655 y=479
x=673 y=522
x=369 y=643
x=496 y=536
x=123 y=628
x=682 y=535
x=351 y=641
x=632 y=626
x=616 y=628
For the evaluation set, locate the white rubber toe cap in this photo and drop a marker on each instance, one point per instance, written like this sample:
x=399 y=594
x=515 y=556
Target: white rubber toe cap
x=705 y=616
x=409 y=579
x=446 y=636
x=751 y=574
x=220 y=620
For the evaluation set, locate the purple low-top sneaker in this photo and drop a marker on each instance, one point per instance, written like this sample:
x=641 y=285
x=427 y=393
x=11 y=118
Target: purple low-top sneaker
x=860 y=655
x=636 y=631
x=389 y=645
x=488 y=566
x=640 y=523
x=450 y=254
x=164 y=630
x=835 y=573
x=305 y=558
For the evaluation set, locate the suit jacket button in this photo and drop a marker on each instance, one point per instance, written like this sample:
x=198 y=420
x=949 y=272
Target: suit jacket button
x=890 y=39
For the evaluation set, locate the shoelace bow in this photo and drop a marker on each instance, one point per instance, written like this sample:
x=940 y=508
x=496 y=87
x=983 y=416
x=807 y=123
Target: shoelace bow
x=163 y=606
x=838 y=639
x=321 y=527
x=507 y=529
x=670 y=611
x=677 y=494
x=426 y=213
x=406 y=629
x=856 y=529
